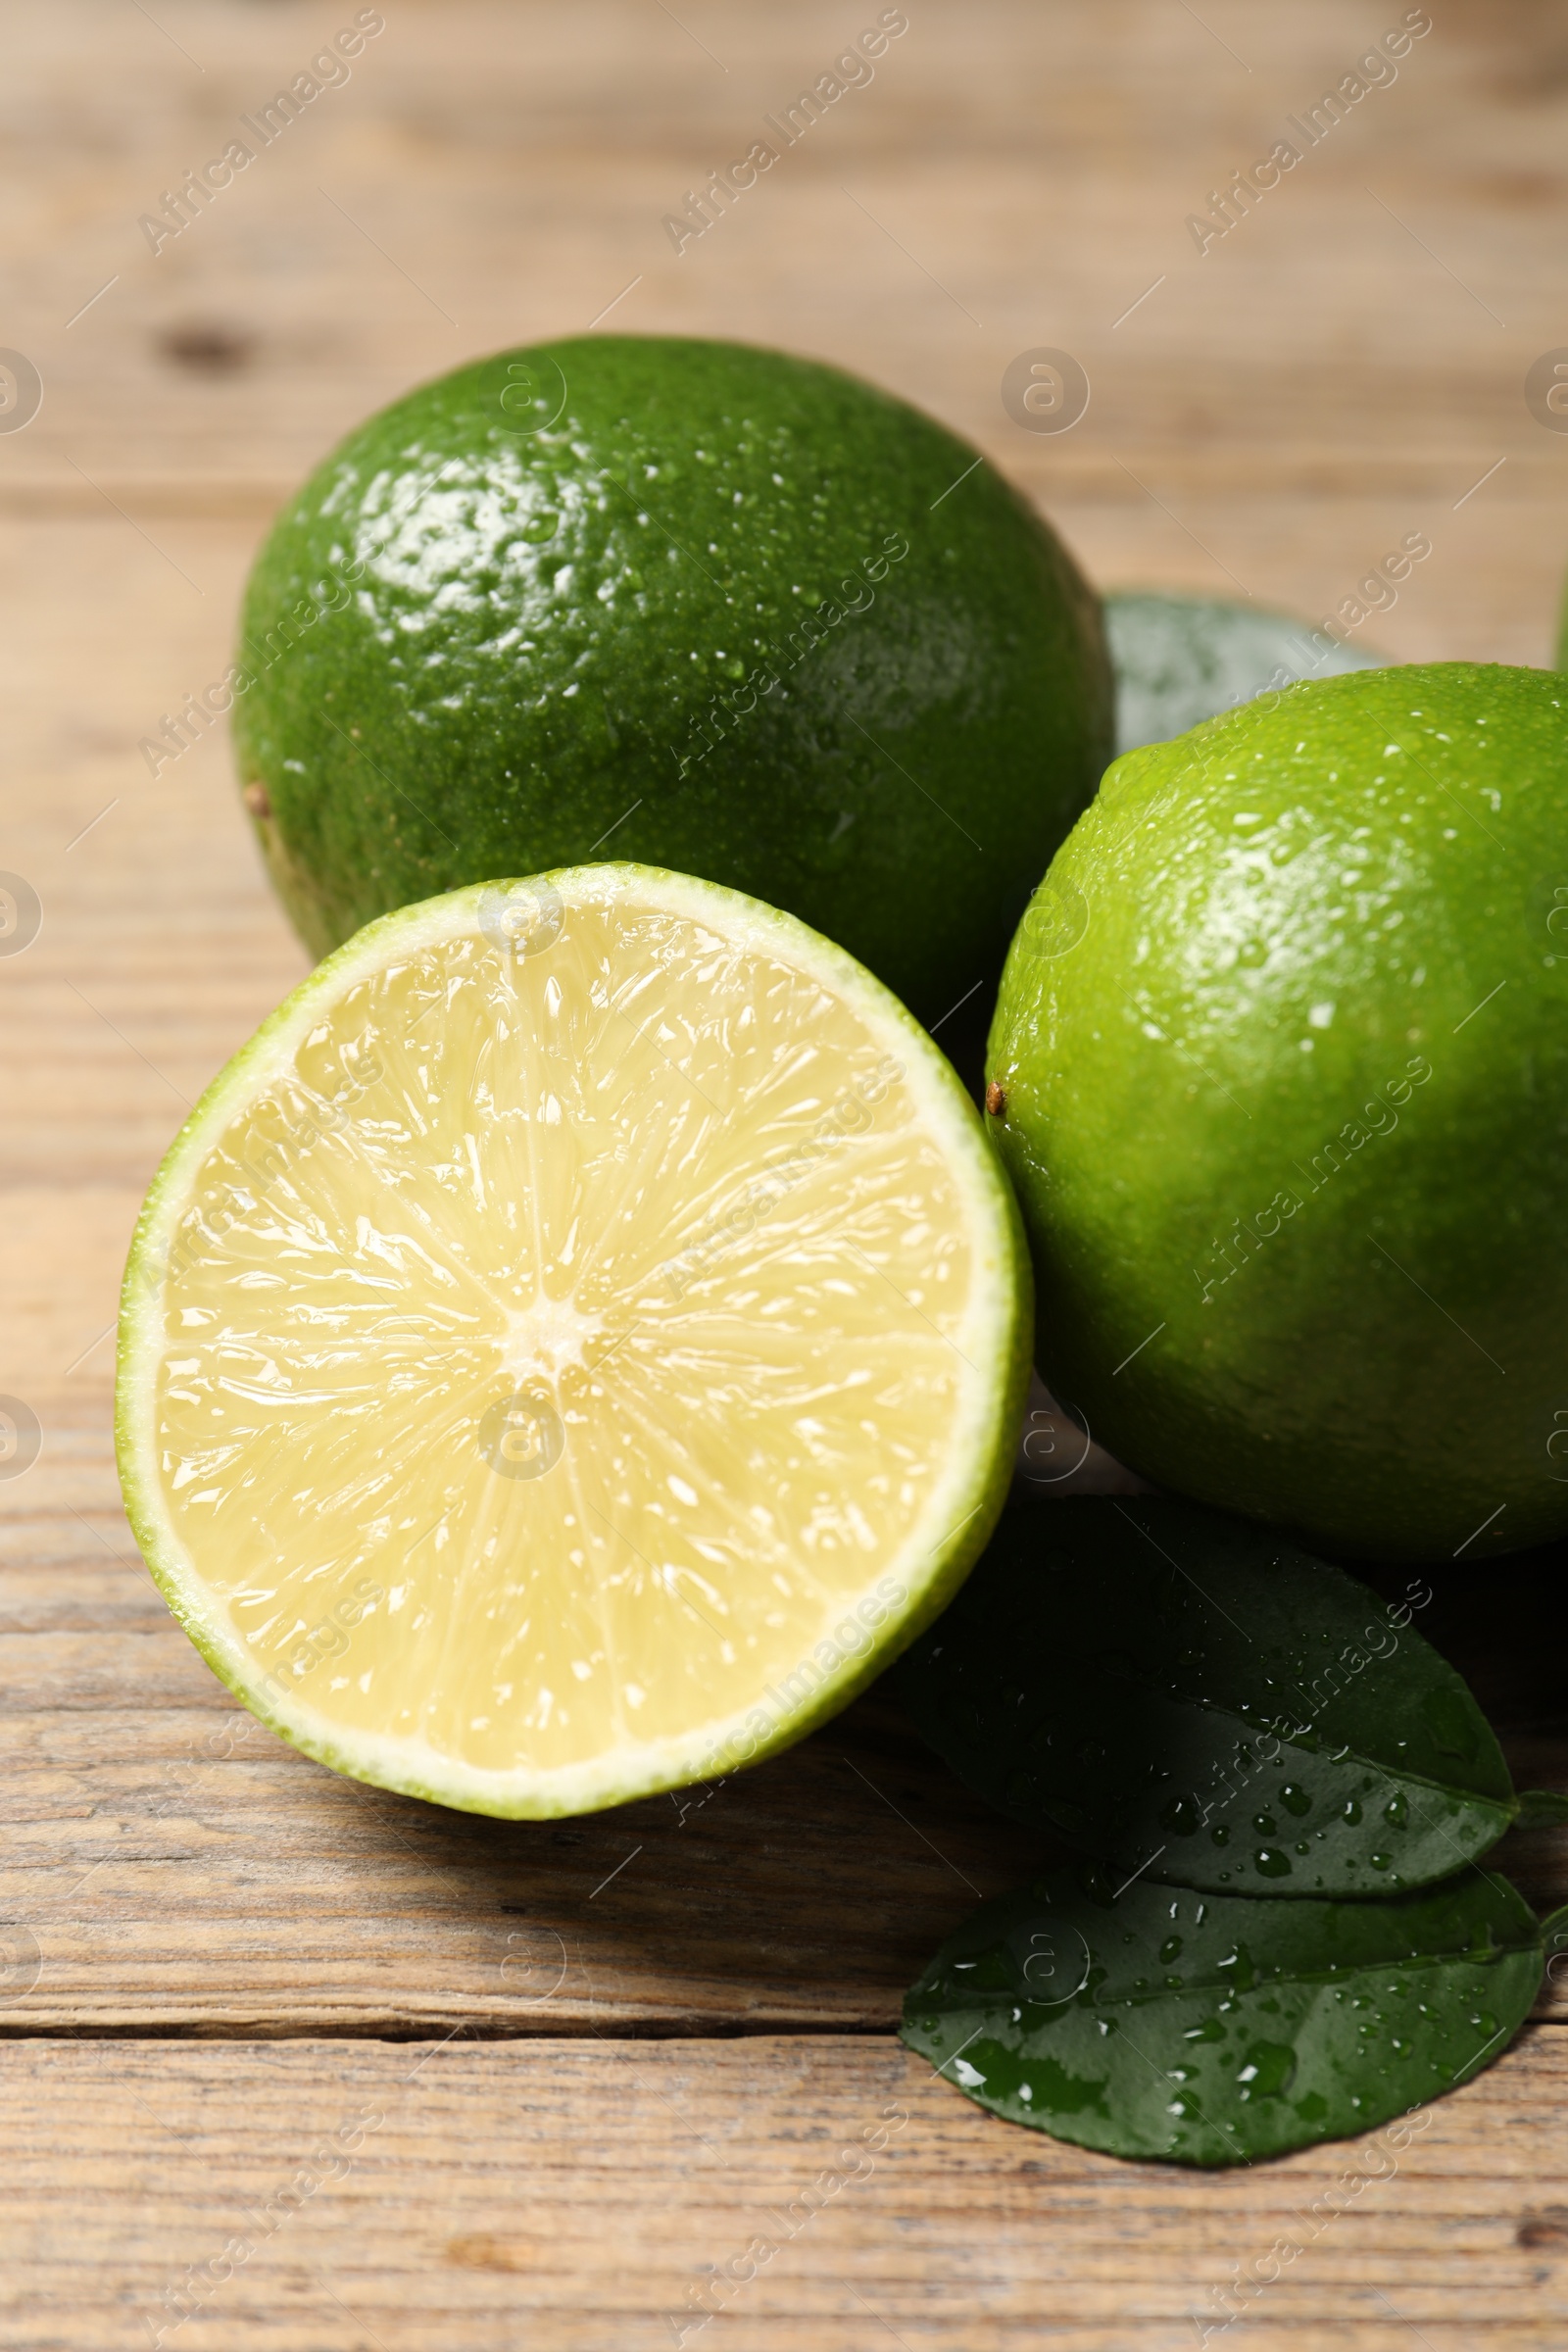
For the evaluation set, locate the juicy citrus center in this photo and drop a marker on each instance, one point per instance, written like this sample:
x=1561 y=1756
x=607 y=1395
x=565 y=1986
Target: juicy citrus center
x=564 y=1337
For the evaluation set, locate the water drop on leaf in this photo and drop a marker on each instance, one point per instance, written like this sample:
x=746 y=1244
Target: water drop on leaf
x=1269 y=2070
x=1182 y=1816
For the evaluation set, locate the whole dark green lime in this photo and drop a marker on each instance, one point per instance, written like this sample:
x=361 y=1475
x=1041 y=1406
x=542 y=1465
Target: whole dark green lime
x=1280 y=1069
x=686 y=603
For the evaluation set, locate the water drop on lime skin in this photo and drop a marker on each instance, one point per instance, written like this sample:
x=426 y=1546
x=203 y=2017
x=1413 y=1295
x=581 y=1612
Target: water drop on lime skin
x=1270 y=1863
x=1295 y=1799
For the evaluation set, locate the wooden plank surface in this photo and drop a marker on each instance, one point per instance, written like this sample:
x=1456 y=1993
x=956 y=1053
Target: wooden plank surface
x=591 y=2197
x=176 y=1869
x=187 y=1909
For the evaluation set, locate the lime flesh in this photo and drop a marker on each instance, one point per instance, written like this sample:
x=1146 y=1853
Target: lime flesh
x=574 y=1345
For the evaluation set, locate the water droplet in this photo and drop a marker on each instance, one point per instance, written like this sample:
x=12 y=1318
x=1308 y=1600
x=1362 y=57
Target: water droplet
x=1265 y=1825
x=1241 y=1961
x=1099 y=1887
x=1270 y=2068
x=1379 y=1861
x=1449 y=1721
x=1485 y=2023
x=1170 y=1950
x=1350 y=1811
x=1295 y=1799
x=1182 y=1816
x=1220 y=1834
x=1396 y=1812
x=1270 y=1863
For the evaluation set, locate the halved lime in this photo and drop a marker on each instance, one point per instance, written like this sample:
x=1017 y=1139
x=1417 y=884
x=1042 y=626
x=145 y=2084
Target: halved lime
x=574 y=1346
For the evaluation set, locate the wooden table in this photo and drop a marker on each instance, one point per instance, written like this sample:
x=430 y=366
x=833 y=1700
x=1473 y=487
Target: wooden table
x=322 y=2069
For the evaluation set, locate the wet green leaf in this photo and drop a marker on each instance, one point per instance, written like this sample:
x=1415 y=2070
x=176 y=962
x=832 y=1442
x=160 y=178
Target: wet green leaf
x=1211 y=2030
x=1554 y=1942
x=1542 y=1810
x=1181 y=1692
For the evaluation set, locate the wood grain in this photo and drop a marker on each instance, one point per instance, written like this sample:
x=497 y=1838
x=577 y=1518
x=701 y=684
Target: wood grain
x=186 y=1903
x=180 y=1870
x=589 y=2196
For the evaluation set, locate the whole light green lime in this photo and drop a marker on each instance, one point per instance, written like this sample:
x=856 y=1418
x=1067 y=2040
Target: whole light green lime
x=686 y=603
x=1280 y=1068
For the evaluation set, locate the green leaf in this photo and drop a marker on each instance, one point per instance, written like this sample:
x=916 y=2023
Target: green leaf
x=1540 y=1809
x=1211 y=2030
x=1554 y=1940
x=1181 y=1692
